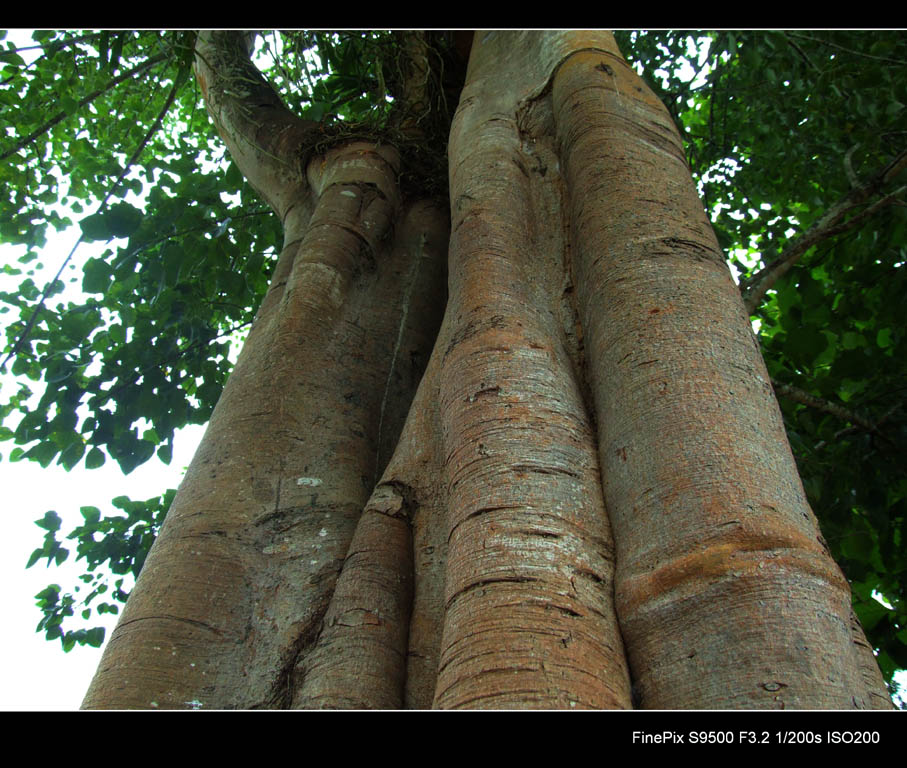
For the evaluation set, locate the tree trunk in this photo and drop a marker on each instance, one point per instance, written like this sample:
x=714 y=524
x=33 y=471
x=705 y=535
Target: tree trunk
x=237 y=583
x=592 y=485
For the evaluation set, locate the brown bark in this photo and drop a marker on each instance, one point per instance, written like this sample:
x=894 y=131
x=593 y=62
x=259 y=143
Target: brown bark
x=529 y=618
x=241 y=574
x=726 y=593
x=592 y=485
x=236 y=585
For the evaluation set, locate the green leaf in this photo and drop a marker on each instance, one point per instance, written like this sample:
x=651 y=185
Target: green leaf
x=49 y=595
x=50 y=522
x=71 y=455
x=44 y=453
x=804 y=344
x=123 y=219
x=68 y=104
x=165 y=453
x=852 y=340
x=12 y=58
x=95 y=458
x=870 y=613
x=96 y=276
x=119 y=220
x=95 y=227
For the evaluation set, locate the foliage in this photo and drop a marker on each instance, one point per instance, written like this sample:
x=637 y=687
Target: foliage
x=121 y=550
x=780 y=127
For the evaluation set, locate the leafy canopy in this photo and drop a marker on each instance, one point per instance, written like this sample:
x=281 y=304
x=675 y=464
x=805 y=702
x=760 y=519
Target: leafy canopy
x=107 y=130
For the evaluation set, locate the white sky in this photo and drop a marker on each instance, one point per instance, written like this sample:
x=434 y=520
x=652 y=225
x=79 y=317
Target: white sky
x=39 y=675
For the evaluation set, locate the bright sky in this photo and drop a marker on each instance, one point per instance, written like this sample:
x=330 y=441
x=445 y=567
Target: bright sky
x=39 y=676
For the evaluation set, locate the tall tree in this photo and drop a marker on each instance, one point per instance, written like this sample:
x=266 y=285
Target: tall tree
x=573 y=489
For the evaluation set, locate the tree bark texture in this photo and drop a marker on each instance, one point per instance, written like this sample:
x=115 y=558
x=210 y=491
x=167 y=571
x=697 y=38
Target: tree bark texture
x=238 y=581
x=592 y=492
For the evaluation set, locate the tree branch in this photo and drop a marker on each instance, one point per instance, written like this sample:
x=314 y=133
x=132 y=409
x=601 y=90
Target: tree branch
x=850 y=430
x=269 y=144
x=799 y=50
x=416 y=71
x=894 y=167
x=178 y=82
x=826 y=406
x=819 y=40
x=832 y=222
x=820 y=404
x=60 y=116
